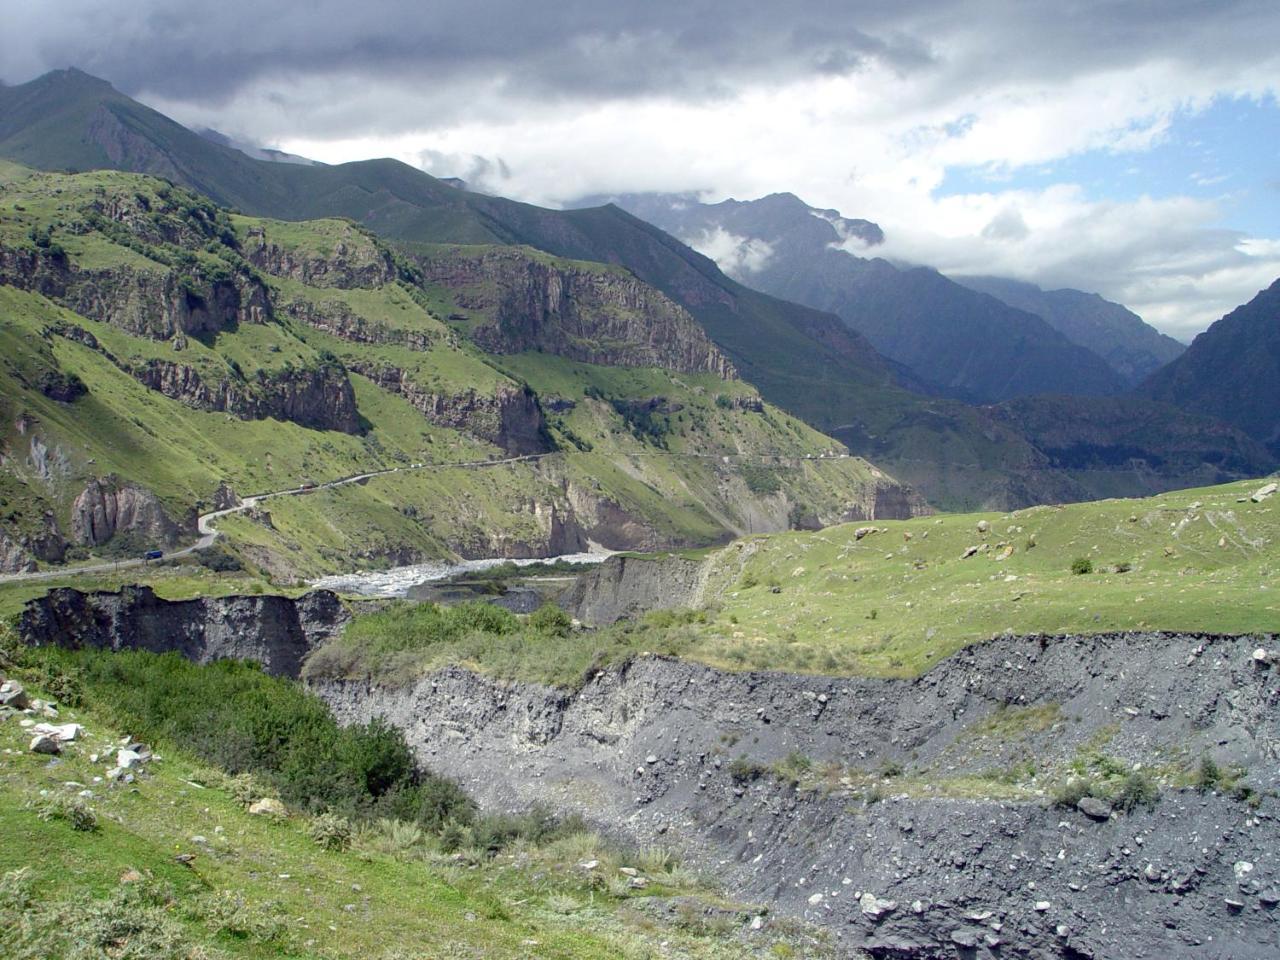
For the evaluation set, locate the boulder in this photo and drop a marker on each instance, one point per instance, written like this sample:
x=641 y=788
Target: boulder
x=12 y=695
x=1094 y=809
x=872 y=906
x=968 y=552
x=1264 y=491
x=43 y=743
x=268 y=807
x=63 y=733
x=127 y=759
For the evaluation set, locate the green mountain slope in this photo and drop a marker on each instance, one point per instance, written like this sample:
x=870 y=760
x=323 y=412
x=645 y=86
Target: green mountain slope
x=163 y=355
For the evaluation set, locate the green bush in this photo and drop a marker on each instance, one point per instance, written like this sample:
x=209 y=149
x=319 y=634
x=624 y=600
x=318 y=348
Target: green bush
x=71 y=810
x=280 y=739
x=743 y=770
x=330 y=831
x=1081 y=565
x=549 y=620
x=1136 y=790
x=1072 y=791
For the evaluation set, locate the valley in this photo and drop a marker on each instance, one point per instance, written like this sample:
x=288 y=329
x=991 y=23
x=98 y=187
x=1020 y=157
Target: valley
x=391 y=569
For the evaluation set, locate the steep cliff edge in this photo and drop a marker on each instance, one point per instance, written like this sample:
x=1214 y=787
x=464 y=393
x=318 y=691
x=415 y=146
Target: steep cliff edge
x=527 y=300
x=277 y=632
x=790 y=785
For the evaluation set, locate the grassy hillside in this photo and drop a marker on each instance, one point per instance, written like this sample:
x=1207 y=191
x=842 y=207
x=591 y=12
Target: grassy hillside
x=170 y=865
x=892 y=598
x=219 y=308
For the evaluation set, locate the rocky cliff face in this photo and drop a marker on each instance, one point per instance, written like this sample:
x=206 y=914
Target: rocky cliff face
x=20 y=549
x=591 y=315
x=647 y=749
x=275 y=631
x=14 y=557
x=155 y=304
x=107 y=508
x=509 y=417
x=622 y=587
x=355 y=260
x=319 y=397
x=337 y=319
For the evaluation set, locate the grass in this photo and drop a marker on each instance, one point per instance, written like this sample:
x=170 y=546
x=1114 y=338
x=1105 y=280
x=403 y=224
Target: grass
x=262 y=887
x=894 y=602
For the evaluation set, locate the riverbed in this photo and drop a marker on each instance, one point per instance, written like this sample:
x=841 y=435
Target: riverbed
x=397 y=581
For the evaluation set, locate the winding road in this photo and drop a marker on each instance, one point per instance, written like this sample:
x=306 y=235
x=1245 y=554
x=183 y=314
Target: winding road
x=209 y=533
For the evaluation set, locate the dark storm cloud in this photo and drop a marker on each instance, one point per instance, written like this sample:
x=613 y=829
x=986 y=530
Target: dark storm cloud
x=585 y=50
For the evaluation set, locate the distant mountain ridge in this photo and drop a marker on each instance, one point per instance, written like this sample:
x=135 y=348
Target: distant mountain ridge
x=1133 y=348
x=973 y=347
x=1231 y=371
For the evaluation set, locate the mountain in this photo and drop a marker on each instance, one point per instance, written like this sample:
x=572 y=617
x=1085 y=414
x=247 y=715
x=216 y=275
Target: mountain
x=972 y=346
x=257 y=153
x=1134 y=349
x=803 y=360
x=1231 y=371
x=159 y=354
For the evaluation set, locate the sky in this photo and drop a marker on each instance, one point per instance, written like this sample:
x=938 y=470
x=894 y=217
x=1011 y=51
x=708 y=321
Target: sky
x=1129 y=148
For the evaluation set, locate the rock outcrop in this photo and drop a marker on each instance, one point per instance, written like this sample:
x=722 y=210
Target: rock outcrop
x=623 y=587
x=14 y=557
x=20 y=551
x=277 y=632
x=336 y=318
x=354 y=260
x=158 y=304
x=583 y=312
x=510 y=417
x=320 y=397
x=107 y=508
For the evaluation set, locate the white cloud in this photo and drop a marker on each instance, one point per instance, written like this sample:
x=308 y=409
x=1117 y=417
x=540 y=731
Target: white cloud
x=737 y=256
x=833 y=142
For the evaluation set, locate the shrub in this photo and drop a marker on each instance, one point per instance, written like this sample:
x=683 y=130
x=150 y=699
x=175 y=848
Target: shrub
x=549 y=620
x=1136 y=790
x=454 y=836
x=1081 y=565
x=1208 y=774
x=1072 y=791
x=330 y=831
x=228 y=914
x=71 y=810
x=743 y=770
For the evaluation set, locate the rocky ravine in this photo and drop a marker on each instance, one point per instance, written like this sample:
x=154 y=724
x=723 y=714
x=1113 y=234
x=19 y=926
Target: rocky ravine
x=647 y=750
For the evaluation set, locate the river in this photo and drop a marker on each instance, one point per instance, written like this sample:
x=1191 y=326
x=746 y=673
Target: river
x=396 y=581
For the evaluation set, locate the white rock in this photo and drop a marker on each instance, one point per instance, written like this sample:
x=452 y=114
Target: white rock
x=268 y=807
x=1042 y=905
x=1264 y=491
x=873 y=906
x=64 y=733
x=816 y=899
x=126 y=759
